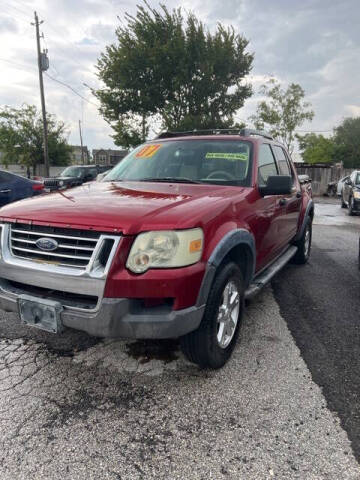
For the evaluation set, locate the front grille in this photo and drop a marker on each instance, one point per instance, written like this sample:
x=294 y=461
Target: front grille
x=51 y=182
x=75 y=247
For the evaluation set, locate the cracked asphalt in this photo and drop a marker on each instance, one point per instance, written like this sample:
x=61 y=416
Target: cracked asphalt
x=75 y=407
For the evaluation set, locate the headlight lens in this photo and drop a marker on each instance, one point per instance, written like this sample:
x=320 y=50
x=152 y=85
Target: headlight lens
x=357 y=195
x=165 y=249
x=61 y=183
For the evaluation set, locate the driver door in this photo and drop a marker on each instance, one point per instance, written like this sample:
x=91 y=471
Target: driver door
x=5 y=189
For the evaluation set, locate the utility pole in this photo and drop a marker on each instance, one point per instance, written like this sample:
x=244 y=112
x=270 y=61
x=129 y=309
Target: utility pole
x=42 y=65
x=81 y=142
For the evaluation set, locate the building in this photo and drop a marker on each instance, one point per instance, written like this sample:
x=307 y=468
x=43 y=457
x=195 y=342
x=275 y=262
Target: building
x=77 y=158
x=108 y=157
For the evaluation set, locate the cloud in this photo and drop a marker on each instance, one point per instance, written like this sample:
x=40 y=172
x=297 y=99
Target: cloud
x=7 y=25
x=313 y=43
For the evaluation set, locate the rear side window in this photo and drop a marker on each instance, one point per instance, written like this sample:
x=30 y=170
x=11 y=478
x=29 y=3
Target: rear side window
x=266 y=166
x=282 y=161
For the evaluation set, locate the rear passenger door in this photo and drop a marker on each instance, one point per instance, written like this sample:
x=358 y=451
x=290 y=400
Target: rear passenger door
x=291 y=204
x=267 y=224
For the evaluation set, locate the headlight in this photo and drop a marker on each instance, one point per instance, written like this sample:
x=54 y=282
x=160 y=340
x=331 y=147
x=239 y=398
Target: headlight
x=165 y=249
x=61 y=183
x=357 y=195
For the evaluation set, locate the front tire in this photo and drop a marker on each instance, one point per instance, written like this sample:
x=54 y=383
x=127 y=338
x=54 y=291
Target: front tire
x=211 y=345
x=304 y=245
x=351 y=206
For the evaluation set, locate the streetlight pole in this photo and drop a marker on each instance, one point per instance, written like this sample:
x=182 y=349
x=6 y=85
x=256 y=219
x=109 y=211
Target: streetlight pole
x=81 y=142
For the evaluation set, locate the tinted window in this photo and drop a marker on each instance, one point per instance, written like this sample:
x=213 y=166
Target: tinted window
x=267 y=166
x=72 y=172
x=5 y=177
x=282 y=161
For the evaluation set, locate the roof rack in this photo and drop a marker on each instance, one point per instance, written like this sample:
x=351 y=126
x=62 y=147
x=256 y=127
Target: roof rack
x=243 y=132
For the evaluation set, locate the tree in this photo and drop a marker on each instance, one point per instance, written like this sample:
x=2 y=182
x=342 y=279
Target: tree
x=347 y=143
x=21 y=138
x=172 y=69
x=282 y=112
x=316 y=148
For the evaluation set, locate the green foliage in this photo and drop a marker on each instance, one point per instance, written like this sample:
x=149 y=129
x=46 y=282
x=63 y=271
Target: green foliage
x=316 y=148
x=347 y=139
x=167 y=67
x=21 y=138
x=282 y=112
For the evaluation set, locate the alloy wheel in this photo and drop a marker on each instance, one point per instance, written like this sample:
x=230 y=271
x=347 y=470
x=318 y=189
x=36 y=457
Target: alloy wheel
x=228 y=314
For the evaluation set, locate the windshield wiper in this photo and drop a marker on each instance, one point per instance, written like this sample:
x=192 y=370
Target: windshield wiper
x=168 y=179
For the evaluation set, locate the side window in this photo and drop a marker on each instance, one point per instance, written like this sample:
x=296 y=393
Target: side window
x=266 y=165
x=282 y=161
x=4 y=177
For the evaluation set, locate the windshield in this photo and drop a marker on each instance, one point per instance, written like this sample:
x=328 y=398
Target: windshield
x=72 y=172
x=222 y=162
x=357 y=179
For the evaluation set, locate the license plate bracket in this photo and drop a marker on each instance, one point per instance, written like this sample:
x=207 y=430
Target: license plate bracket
x=40 y=313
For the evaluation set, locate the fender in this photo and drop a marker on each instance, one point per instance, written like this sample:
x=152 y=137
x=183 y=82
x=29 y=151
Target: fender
x=309 y=207
x=232 y=239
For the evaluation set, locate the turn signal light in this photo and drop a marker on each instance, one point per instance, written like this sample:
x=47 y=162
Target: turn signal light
x=195 y=245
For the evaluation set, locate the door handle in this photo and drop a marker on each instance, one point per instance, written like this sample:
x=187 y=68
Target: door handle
x=5 y=191
x=282 y=202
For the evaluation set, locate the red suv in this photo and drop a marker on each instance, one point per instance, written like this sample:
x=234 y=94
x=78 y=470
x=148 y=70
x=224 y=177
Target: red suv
x=169 y=244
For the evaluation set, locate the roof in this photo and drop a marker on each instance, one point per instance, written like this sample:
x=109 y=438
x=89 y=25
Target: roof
x=236 y=132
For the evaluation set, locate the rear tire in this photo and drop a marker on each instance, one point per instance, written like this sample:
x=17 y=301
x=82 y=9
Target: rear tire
x=343 y=204
x=211 y=345
x=304 y=245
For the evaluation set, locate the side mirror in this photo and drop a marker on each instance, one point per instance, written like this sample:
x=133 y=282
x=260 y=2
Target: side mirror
x=277 y=185
x=348 y=182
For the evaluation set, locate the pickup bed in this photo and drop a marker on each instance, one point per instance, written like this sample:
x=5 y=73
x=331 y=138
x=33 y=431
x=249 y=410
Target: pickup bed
x=169 y=244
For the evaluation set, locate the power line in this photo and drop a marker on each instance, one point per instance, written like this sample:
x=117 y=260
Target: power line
x=21 y=65
x=72 y=89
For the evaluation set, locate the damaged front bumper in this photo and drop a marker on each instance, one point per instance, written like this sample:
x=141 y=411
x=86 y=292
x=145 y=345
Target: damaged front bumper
x=118 y=317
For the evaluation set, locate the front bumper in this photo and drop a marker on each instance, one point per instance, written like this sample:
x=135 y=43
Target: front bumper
x=122 y=317
x=118 y=311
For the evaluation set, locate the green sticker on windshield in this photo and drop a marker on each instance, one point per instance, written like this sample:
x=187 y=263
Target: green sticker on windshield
x=228 y=156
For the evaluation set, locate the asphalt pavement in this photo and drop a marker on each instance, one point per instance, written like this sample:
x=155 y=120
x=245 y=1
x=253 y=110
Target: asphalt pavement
x=321 y=305
x=284 y=407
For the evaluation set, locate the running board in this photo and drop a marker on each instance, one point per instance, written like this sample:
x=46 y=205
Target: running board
x=265 y=276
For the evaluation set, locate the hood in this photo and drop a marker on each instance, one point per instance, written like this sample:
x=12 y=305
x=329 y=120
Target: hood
x=127 y=207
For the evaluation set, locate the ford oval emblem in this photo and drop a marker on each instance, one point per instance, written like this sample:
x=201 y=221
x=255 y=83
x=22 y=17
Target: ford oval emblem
x=47 y=244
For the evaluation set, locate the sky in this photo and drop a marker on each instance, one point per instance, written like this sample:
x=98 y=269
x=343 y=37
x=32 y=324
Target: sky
x=315 y=43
